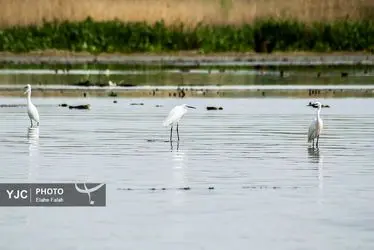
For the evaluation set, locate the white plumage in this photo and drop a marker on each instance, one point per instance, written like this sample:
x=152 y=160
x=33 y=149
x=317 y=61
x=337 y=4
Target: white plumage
x=316 y=127
x=31 y=109
x=175 y=115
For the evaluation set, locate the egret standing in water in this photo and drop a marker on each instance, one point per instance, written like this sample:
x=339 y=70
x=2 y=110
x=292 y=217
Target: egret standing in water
x=31 y=109
x=174 y=117
x=316 y=126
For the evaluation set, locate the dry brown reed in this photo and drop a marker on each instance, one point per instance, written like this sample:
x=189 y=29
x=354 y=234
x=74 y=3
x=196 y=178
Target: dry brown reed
x=191 y=12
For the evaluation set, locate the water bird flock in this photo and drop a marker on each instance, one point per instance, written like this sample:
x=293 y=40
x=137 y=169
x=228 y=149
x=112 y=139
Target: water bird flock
x=177 y=113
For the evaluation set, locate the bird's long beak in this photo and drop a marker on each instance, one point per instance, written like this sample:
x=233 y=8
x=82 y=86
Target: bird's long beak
x=190 y=107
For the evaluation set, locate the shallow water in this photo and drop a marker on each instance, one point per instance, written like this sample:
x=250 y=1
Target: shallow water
x=271 y=191
x=197 y=77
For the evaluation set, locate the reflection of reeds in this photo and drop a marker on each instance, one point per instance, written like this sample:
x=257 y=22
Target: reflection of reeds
x=22 y=12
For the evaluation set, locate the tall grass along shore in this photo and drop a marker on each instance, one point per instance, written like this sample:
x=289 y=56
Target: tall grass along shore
x=264 y=35
x=189 y=12
x=127 y=26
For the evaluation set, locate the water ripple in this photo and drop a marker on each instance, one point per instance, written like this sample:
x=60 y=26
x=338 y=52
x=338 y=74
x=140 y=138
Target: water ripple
x=248 y=164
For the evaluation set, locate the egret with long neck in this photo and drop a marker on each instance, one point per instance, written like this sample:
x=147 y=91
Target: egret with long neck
x=31 y=109
x=175 y=116
x=315 y=128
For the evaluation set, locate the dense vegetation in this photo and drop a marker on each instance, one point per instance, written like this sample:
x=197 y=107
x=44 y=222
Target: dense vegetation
x=262 y=36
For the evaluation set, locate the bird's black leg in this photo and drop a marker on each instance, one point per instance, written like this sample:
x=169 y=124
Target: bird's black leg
x=313 y=143
x=317 y=141
x=177 y=132
x=31 y=122
x=171 y=133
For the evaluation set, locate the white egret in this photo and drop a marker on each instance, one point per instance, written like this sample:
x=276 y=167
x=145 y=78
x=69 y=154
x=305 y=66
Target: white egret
x=111 y=84
x=174 y=117
x=31 y=109
x=316 y=126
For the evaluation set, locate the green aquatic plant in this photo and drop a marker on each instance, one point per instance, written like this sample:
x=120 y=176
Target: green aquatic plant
x=266 y=35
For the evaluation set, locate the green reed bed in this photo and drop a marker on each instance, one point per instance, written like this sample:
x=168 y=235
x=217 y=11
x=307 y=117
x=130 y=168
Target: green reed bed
x=183 y=69
x=261 y=36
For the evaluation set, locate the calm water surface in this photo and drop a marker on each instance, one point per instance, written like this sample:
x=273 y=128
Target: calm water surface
x=197 y=77
x=270 y=190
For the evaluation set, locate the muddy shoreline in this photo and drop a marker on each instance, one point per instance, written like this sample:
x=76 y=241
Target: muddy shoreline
x=192 y=59
x=155 y=92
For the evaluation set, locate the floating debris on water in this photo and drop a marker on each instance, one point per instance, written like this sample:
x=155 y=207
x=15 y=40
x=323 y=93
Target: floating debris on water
x=310 y=104
x=12 y=105
x=158 y=106
x=214 y=108
x=137 y=103
x=251 y=187
x=86 y=106
x=114 y=101
x=260 y=187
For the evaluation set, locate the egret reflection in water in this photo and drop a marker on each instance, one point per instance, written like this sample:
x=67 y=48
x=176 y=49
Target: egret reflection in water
x=171 y=146
x=33 y=161
x=179 y=159
x=33 y=139
x=314 y=154
x=179 y=176
x=33 y=135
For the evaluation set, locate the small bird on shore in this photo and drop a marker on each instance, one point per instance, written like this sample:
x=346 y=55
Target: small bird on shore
x=175 y=116
x=315 y=128
x=31 y=109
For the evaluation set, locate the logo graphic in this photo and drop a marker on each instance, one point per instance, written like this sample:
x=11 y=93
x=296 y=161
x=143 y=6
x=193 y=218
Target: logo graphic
x=88 y=191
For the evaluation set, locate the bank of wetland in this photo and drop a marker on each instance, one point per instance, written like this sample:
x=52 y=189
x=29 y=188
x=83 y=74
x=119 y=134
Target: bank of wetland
x=183 y=82
x=257 y=53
